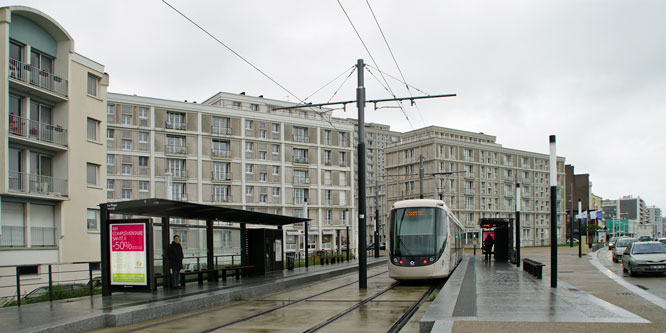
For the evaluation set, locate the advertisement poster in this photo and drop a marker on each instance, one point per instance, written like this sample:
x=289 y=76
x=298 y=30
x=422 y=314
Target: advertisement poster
x=128 y=254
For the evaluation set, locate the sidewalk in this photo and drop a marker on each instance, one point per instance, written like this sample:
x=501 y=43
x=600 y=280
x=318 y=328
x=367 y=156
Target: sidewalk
x=499 y=297
x=88 y=313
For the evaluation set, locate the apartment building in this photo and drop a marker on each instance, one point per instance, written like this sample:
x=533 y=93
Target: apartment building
x=377 y=138
x=234 y=150
x=654 y=220
x=52 y=147
x=483 y=179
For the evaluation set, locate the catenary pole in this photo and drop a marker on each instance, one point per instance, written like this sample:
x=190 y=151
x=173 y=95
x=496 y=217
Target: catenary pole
x=571 y=217
x=376 y=217
x=421 y=175
x=580 y=237
x=362 y=253
x=517 y=224
x=553 y=213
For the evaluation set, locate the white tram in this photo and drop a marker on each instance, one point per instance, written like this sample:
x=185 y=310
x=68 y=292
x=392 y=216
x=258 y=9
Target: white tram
x=425 y=240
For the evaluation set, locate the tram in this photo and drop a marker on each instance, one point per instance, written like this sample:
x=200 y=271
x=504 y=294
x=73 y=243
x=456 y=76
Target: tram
x=425 y=240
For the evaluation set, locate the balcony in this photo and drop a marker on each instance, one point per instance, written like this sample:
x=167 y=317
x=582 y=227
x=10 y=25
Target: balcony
x=302 y=138
x=508 y=178
x=301 y=180
x=179 y=196
x=176 y=173
x=37 y=184
x=37 y=131
x=36 y=77
x=222 y=198
x=526 y=181
x=12 y=236
x=219 y=130
x=301 y=159
x=175 y=125
x=469 y=191
x=218 y=152
x=300 y=201
x=42 y=236
x=175 y=149
x=221 y=176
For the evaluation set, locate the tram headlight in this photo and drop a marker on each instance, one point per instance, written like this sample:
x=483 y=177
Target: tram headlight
x=412 y=263
x=395 y=260
x=432 y=259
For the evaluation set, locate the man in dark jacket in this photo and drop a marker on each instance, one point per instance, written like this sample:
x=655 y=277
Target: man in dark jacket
x=488 y=247
x=175 y=257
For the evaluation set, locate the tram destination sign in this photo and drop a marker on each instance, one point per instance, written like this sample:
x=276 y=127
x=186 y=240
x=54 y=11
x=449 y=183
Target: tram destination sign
x=128 y=254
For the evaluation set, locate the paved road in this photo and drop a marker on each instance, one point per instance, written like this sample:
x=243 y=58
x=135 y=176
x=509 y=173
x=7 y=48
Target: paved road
x=655 y=284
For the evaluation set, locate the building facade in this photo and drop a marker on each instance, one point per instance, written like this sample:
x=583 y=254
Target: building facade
x=52 y=146
x=234 y=150
x=654 y=219
x=482 y=180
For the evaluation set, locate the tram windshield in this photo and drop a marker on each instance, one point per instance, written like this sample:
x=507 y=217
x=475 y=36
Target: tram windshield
x=413 y=231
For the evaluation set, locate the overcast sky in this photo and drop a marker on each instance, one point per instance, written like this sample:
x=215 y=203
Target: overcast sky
x=590 y=72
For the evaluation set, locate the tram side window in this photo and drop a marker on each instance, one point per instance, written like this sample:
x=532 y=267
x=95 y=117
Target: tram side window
x=442 y=230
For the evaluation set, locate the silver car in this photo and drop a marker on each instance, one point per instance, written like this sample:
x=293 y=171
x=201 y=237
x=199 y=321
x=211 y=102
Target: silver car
x=644 y=257
x=620 y=246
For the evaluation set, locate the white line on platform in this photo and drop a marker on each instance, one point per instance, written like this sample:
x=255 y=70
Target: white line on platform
x=656 y=300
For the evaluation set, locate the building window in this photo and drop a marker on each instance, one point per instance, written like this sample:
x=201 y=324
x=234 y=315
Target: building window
x=262 y=134
x=143 y=185
x=93 y=128
x=301 y=134
x=263 y=198
x=127 y=119
x=248 y=124
x=126 y=194
x=262 y=155
x=276 y=170
x=249 y=146
x=110 y=183
x=275 y=128
x=328 y=194
x=300 y=195
x=276 y=149
x=262 y=177
x=110 y=158
x=143 y=113
x=126 y=169
x=254 y=107
x=343 y=139
x=329 y=216
x=143 y=137
x=93 y=218
x=276 y=191
x=327 y=156
x=126 y=144
x=249 y=190
x=110 y=133
x=92 y=174
x=176 y=121
x=327 y=137
x=93 y=85
x=343 y=158
x=249 y=168
x=143 y=161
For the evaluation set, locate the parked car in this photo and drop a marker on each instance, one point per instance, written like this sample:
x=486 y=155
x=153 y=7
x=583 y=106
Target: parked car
x=644 y=257
x=644 y=238
x=382 y=246
x=60 y=291
x=611 y=243
x=620 y=246
x=575 y=240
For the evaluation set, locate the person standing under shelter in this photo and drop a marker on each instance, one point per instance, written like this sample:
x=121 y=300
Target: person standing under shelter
x=175 y=257
x=488 y=247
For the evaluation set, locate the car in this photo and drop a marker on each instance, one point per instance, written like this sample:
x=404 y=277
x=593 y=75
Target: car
x=59 y=290
x=620 y=246
x=644 y=257
x=644 y=239
x=575 y=240
x=382 y=246
x=611 y=243
x=662 y=239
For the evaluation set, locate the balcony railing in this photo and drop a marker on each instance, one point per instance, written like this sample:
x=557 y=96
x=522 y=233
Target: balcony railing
x=301 y=159
x=222 y=198
x=37 y=130
x=526 y=181
x=219 y=175
x=217 y=152
x=37 y=184
x=179 y=196
x=176 y=125
x=176 y=149
x=508 y=178
x=37 y=77
x=302 y=138
x=42 y=236
x=299 y=200
x=176 y=173
x=301 y=180
x=469 y=191
x=220 y=130
x=12 y=236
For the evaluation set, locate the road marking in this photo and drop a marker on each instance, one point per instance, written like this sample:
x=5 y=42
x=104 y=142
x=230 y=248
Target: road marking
x=656 y=300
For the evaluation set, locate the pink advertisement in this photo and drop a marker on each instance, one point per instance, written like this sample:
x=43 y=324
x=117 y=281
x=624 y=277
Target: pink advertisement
x=128 y=254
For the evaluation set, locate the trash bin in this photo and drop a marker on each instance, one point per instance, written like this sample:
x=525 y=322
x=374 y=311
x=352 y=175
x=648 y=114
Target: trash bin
x=290 y=261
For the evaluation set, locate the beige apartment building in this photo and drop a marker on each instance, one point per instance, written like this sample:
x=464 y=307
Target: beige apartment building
x=484 y=180
x=234 y=150
x=52 y=145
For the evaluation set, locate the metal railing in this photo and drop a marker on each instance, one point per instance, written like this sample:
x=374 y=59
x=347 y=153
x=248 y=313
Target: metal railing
x=301 y=180
x=12 y=236
x=37 y=77
x=176 y=149
x=176 y=125
x=302 y=138
x=301 y=159
x=42 y=236
x=217 y=152
x=36 y=130
x=222 y=198
x=176 y=173
x=508 y=178
x=469 y=191
x=218 y=175
x=38 y=184
x=179 y=196
x=220 y=130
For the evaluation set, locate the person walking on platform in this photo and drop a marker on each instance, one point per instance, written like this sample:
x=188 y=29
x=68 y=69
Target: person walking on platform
x=175 y=257
x=488 y=247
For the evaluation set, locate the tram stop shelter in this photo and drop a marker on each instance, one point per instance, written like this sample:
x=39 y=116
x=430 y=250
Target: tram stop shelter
x=127 y=244
x=501 y=230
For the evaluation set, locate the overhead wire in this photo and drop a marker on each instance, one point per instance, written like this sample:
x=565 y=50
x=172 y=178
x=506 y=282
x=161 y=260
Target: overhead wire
x=401 y=81
x=231 y=50
x=394 y=60
x=327 y=84
x=372 y=58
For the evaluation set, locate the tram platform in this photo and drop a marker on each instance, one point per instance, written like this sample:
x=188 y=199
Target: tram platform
x=87 y=313
x=496 y=296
